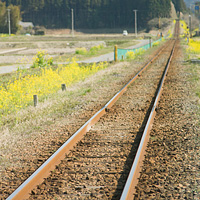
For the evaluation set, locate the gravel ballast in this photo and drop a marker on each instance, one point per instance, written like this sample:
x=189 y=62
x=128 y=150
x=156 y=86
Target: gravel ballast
x=171 y=167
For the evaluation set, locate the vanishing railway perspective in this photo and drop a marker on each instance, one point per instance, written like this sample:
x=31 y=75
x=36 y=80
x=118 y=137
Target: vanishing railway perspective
x=98 y=114
x=106 y=157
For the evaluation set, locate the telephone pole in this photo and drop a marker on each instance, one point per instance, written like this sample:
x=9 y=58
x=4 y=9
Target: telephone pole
x=135 y=22
x=159 y=23
x=9 y=28
x=72 y=22
x=190 y=25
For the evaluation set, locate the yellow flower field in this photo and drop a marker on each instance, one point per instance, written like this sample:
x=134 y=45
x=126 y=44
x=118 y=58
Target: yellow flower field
x=19 y=93
x=194 y=46
x=6 y=35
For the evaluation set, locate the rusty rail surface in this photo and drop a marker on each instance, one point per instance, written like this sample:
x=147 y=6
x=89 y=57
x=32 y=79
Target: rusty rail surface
x=131 y=183
x=22 y=192
x=129 y=189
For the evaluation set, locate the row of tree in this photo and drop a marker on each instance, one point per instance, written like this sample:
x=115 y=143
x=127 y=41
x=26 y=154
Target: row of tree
x=93 y=13
x=13 y=14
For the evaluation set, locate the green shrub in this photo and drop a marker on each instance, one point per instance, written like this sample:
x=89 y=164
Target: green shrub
x=155 y=44
x=81 y=51
x=42 y=60
x=93 y=50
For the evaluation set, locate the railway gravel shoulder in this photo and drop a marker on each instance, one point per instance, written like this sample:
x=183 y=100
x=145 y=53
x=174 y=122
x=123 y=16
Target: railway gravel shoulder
x=171 y=167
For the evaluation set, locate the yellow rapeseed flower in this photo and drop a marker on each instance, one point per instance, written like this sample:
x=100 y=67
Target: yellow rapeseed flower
x=19 y=93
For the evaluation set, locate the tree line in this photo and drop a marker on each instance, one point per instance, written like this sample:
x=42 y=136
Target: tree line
x=93 y=13
x=14 y=16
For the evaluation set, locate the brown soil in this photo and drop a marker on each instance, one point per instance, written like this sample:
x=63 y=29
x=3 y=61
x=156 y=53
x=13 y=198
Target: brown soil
x=57 y=31
x=60 y=32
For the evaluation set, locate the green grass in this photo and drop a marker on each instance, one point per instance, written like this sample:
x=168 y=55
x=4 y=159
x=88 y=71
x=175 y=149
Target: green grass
x=194 y=77
x=92 y=51
x=81 y=51
x=198 y=93
x=85 y=91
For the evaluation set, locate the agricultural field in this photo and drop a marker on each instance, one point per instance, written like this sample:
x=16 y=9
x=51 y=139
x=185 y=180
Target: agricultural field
x=60 y=47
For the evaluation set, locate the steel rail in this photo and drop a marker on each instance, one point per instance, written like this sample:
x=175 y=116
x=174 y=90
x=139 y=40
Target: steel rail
x=129 y=189
x=22 y=192
x=120 y=93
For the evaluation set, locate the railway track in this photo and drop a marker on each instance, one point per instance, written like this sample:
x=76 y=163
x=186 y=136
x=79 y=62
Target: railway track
x=100 y=155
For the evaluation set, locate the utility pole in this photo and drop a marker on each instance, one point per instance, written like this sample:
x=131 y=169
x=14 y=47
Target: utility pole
x=159 y=23
x=9 y=28
x=190 y=25
x=72 y=22
x=191 y=8
x=159 y=27
x=135 y=22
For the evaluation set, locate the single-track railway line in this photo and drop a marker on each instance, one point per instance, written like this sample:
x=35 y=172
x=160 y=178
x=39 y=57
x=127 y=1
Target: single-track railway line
x=95 y=162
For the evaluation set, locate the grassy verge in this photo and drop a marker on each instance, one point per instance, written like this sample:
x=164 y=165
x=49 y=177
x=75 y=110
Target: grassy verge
x=191 y=52
x=194 y=73
x=53 y=107
x=195 y=78
x=17 y=93
x=56 y=104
